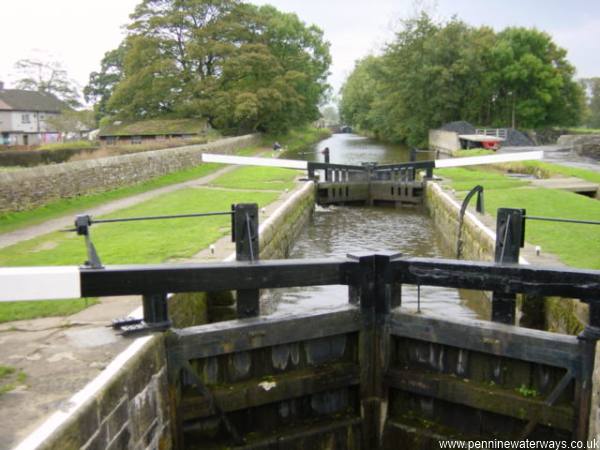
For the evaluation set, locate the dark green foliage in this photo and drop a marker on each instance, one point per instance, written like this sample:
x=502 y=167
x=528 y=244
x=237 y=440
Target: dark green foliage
x=102 y=84
x=433 y=73
x=242 y=67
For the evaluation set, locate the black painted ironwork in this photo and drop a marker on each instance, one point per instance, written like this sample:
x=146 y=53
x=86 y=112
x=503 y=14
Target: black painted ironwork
x=558 y=219
x=510 y=237
x=463 y=209
x=246 y=237
x=156 y=316
x=476 y=275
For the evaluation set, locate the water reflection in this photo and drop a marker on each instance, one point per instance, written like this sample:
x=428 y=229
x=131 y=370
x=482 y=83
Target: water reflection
x=353 y=149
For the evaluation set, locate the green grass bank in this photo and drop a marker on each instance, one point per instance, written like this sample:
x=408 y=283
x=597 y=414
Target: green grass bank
x=576 y=245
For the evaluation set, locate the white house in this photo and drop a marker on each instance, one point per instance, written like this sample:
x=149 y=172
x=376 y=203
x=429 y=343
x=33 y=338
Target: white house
x=24 y=115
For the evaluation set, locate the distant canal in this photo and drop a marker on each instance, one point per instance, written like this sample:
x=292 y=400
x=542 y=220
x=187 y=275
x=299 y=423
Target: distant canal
x=336 y=231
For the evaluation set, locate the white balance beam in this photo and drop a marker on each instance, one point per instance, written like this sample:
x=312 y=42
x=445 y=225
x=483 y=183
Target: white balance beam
x=489 y=159
x=439 y=163
x=250 y=161
x=39 y=283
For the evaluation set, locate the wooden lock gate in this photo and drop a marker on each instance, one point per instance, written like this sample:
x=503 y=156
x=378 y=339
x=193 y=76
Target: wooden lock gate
x=369 y=375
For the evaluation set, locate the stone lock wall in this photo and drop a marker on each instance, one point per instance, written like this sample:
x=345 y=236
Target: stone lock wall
x=30 y=188
x=278 y=233
x=125 y=407
x=478 y=240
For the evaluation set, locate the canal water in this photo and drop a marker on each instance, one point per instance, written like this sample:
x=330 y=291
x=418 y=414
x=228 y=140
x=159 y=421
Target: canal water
x=338 y=231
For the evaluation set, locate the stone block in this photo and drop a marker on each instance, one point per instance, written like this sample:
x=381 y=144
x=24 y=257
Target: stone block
x=112 y=394
x=98 y=441
x=77 y=431
x=122 y=440
x=141 y=369
x=117 y=418
x=143 y=411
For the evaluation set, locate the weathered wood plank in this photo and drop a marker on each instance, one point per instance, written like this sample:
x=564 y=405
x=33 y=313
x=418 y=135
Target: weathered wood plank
x=249 y=394
x=574 y=283
x=141 y=279
x=411 y=436
x=537 y=346
x=247 y=334
x=477 y=396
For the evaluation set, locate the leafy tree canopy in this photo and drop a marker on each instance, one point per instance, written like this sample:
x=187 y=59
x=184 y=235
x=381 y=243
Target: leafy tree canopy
x=592 y=87
x=102 y=84
x=241 y=66
x=433 y=73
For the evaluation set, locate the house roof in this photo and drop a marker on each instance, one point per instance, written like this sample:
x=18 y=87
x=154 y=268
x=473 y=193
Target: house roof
x=155 y=127
x=20 y=100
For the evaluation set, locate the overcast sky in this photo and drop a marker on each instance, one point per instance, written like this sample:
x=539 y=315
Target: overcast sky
x=79 y=32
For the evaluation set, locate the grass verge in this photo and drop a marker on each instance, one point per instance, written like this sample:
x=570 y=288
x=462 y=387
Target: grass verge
x=12 y=221
x=141 y=242
x=69 y=145
x=10 y=311
x=464 y=179
x=575 y=244
x=472 y=152
x=259 y=178
x=298 y=138
x=10 y=378
x=543 y=169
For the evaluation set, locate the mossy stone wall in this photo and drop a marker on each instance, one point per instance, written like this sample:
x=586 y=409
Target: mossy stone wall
x=29 y=188
x=130 y=410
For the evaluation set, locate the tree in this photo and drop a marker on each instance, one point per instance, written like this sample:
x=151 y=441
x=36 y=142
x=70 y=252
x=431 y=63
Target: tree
x=358 y=94
x=48 y=78
x=534 y=80
x=331 y=115
x=101 y=84
x=241 y=66
x=593 y=87
x=433 y=73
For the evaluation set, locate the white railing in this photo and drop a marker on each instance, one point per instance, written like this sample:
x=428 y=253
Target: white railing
x=497 y=132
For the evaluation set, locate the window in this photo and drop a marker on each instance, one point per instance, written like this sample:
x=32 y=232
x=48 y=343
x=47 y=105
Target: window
x=25 y=118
